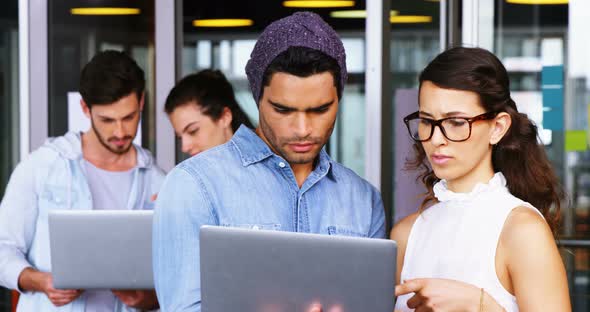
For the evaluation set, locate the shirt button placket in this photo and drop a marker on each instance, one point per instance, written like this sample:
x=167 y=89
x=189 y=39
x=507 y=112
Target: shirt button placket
x=282 y=165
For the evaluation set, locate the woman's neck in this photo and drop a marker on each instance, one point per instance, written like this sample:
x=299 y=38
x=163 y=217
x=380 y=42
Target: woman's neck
x=466 y=183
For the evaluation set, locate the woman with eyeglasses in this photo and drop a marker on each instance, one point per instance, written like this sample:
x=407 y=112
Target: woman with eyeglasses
x=483 y=238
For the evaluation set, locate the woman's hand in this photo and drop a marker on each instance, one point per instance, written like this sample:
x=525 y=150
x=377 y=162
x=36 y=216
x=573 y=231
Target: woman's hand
x=435 y=294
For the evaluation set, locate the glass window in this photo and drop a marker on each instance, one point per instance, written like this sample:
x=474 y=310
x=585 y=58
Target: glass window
x=415 y=41
x=76 y=32
x=9 y=104
x=545 y=50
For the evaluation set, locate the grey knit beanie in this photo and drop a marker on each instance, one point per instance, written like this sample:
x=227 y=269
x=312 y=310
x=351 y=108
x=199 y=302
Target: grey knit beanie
x=302 y=29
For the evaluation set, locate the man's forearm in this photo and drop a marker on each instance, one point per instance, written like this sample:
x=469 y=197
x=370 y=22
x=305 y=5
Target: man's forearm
x=139 y=299
x=150 y=302
x=28 y=281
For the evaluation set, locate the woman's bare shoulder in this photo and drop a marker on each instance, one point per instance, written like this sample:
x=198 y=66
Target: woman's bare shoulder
x=401 y=230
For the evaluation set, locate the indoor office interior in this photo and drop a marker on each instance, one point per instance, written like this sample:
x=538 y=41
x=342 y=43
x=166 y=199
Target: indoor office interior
x=543 y=44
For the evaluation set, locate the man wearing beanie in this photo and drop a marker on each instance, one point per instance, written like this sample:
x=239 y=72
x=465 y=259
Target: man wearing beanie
x=276 y=178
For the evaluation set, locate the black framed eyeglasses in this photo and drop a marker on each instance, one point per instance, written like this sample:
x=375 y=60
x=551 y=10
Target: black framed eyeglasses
x=456 y=129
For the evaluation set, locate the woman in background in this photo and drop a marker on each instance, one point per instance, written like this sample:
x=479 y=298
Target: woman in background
x=203 y=111
x=483 y=238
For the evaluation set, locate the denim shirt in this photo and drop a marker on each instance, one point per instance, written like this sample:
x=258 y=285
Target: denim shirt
x=244 y=184
x=53 y=177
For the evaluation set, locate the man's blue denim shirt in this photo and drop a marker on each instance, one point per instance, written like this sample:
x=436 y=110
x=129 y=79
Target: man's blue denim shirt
x=244 y=184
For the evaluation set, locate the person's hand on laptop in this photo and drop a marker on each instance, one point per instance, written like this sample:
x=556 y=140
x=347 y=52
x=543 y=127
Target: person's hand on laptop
x=33 y=280
x=318 y=308
x=444 y=294
x=139 y=299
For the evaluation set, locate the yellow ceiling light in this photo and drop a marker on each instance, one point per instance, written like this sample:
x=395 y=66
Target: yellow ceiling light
x=105 y=11
x=355 y=14
x=318 y=4
x=223 y=22
x=394 y=16
x=541 y=2
x=410 y=19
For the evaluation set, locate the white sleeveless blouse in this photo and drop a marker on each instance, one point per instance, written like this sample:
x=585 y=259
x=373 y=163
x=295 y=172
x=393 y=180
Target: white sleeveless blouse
x=457 y=239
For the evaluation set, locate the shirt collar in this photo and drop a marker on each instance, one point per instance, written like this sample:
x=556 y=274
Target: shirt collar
x=253 y=149
x=443 y=193
x=325 y=162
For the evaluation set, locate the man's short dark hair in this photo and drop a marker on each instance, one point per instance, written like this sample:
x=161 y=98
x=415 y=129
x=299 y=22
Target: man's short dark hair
x=303 y=62
x=110 y=76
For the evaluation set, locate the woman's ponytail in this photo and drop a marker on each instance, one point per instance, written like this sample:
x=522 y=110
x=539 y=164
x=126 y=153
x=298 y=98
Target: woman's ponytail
x=524 y=163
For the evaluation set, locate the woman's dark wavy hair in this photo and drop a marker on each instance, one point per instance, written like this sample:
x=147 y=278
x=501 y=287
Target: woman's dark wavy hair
x=212 y=92
x=518 y=155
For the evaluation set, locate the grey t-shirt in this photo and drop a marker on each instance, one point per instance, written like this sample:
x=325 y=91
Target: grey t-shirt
x=110 y=191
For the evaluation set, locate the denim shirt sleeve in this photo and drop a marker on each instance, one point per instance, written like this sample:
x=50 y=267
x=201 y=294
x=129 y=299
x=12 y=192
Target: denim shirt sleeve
x=181 y=208
x=377 y=216
x=18 y=214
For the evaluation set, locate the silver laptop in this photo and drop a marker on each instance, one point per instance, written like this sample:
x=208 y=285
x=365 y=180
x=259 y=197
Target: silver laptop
x=257 y=271
x=101 y=249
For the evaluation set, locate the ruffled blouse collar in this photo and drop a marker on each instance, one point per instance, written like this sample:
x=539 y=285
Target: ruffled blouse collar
x=442 y=193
